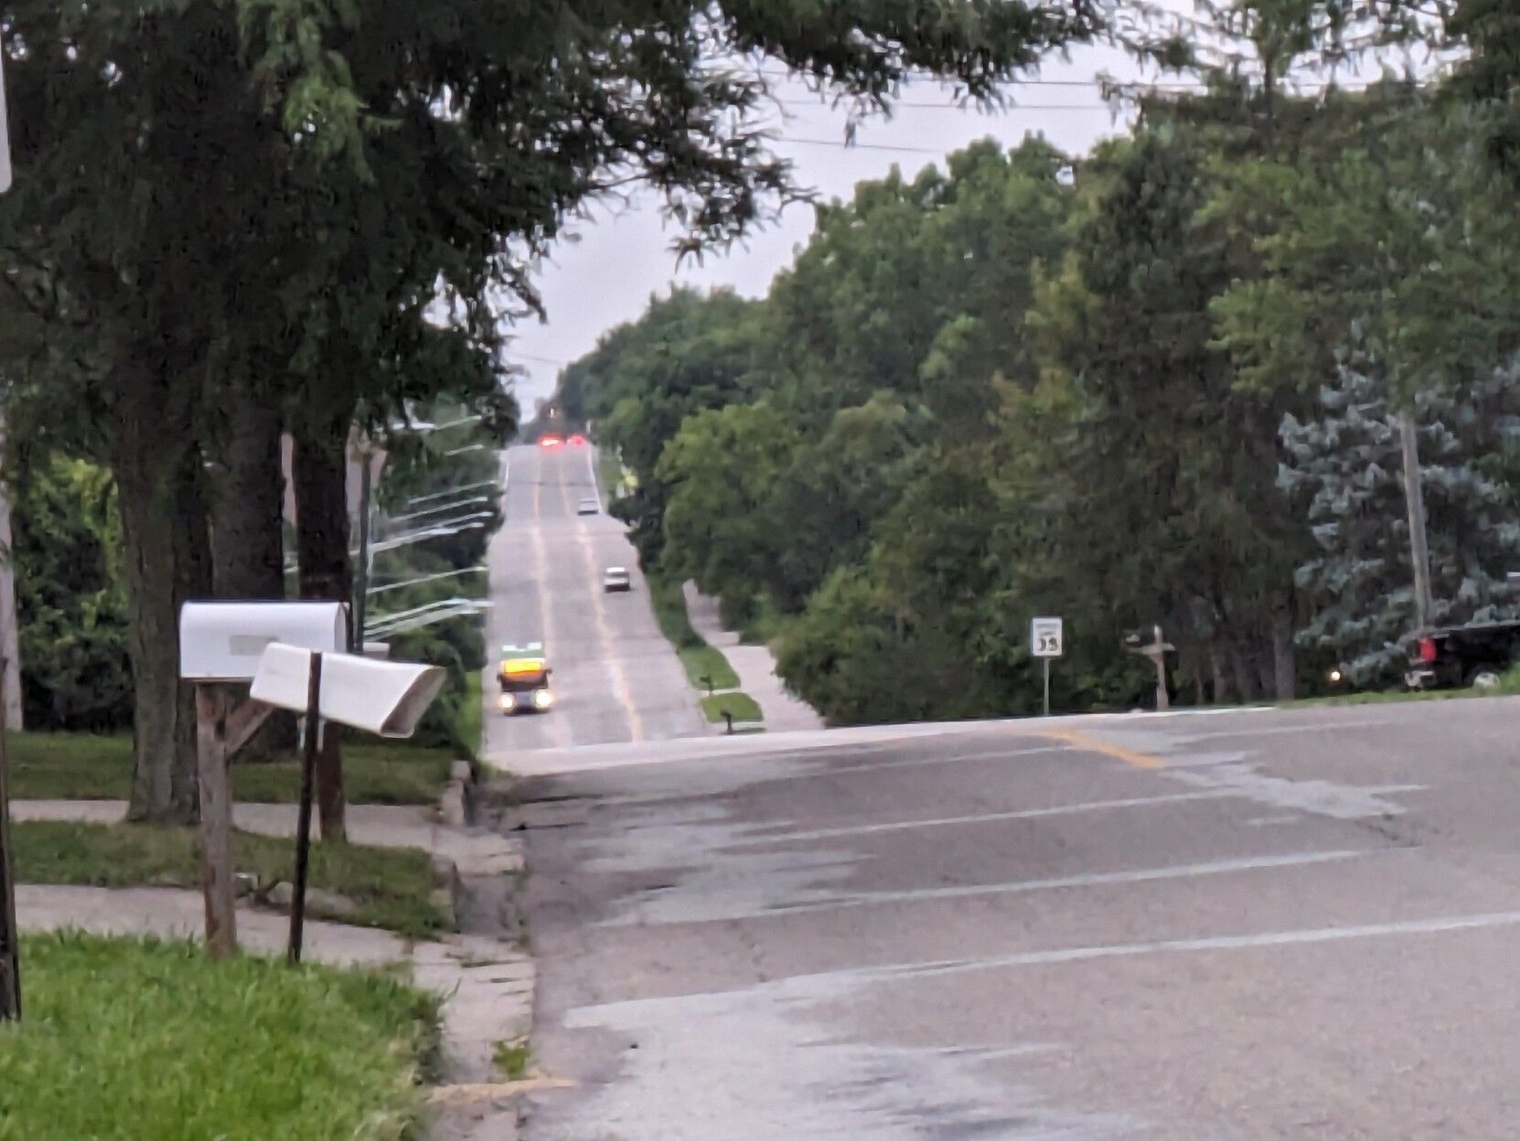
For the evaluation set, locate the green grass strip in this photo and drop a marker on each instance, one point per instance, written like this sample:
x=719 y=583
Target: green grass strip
x=706 y=667
x=742 y=706
x=86 y=766
x=145 y=1041
x=392 y=888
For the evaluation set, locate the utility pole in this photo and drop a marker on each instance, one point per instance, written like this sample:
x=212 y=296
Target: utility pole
x=361 y=567
x=10 y=645
x=1414 y=497
x=10 y=937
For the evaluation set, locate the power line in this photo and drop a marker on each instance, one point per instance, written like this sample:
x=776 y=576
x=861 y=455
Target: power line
x=990 y=112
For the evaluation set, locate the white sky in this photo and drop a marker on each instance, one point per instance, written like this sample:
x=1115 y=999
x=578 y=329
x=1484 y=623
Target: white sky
x=622 y=256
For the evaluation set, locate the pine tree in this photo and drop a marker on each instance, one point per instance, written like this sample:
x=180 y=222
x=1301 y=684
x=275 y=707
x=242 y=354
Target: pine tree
x=1346 y=468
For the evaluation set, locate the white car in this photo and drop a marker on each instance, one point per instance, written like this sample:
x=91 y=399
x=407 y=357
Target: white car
x=588 y=507
x=616 y=579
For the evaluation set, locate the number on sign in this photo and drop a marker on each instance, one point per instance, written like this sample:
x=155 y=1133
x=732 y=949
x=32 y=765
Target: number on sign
x=1045 y=637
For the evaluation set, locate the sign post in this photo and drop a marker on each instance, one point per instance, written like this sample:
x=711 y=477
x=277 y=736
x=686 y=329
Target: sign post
x=5 y=139
x=1046 y=641
x=310 y=742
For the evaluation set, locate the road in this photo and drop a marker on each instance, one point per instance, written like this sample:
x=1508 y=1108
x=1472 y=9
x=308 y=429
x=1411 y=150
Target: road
x=1245 y=926
x=615 y=675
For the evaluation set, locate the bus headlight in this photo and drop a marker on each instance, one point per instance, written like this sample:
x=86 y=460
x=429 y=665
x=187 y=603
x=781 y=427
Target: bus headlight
x=542 y=699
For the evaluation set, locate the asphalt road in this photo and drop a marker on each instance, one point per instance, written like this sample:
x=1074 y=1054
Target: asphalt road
x=615 y=676
x=1259 y=924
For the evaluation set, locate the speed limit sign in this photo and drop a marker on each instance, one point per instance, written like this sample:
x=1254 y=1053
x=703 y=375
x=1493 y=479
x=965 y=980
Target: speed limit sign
x=1045 y=637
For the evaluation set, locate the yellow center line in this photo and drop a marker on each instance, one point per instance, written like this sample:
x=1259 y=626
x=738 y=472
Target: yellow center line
x=1083 y=740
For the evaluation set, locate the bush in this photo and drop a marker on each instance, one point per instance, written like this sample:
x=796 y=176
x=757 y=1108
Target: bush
x=70 y=603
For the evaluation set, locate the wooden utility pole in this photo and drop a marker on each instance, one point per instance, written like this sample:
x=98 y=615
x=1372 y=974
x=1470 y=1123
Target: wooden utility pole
x=10 y=637
x=1414 y=498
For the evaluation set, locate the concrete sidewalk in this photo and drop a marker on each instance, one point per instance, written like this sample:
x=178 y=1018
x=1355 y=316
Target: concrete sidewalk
x=756 y=667
x=472 y=851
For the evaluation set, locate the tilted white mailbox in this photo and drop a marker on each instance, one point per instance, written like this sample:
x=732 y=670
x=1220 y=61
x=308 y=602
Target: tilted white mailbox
x=223 y=641
x=387 y=698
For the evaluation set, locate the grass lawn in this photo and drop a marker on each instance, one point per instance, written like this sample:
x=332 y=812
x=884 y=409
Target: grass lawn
x=83 y=766
x=142 y=1041
x=391 y=886
x=704 y=665
x=741 y=705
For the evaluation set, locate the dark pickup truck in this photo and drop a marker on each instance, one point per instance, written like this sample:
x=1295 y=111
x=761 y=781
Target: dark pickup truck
x=1476 y=655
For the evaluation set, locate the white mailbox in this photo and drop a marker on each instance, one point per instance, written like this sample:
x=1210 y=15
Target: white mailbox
x=223 y=641
x=388 y=698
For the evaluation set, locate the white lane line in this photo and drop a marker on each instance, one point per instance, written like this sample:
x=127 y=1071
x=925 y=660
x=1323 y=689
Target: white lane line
x=1093 y=879
x=993 y=817
x=1213 y=943
x=621 y=690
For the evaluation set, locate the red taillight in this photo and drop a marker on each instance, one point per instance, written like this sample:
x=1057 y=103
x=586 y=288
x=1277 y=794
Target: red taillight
x=1427 y=650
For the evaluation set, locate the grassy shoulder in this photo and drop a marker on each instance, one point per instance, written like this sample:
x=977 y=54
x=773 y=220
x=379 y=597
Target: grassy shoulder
x=611 y=473
x=472 y=714
x=706 y=667
x=146 y=1041
x=84 y=766
x=391 y=888
x=741 y=706
x=1509 y=686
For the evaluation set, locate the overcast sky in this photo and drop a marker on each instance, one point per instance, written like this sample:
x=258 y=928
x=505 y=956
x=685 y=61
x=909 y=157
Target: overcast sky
x=621 y=257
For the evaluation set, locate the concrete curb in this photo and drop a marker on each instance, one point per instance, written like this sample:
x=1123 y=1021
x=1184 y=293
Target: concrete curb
x=451 y=806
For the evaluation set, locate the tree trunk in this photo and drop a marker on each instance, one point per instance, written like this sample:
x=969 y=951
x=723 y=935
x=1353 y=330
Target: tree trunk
x=1284 y=663
x=321 y=470
x=1245 y=676
x=1221 y=686
x=247 y=538
x=166 y=562
x=247 y=532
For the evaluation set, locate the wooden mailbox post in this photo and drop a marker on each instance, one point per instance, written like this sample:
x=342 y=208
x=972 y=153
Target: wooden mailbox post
x=221 y=645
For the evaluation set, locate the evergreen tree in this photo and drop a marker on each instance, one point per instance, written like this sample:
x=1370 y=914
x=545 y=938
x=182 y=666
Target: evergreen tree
x=1347 y=470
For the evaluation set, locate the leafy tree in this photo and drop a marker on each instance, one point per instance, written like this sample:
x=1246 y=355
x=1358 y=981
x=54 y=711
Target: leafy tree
x=688 y=353
x=833 y=491
x=720 y=470
x=206 y=188
x=1164 y=467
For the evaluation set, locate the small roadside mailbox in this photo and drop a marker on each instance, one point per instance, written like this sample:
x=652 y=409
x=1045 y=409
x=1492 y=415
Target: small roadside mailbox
x=220 y=647
x=224 y=641
x=384 y=698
